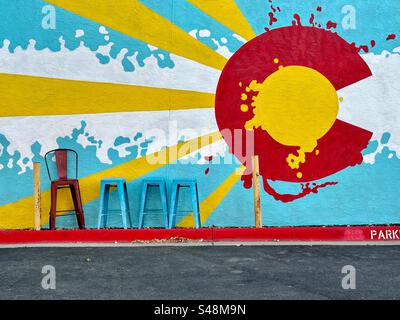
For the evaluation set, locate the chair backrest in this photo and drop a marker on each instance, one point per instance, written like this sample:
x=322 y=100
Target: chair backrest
x=62 y=164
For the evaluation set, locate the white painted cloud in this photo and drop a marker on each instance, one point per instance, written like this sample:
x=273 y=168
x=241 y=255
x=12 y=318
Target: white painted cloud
x=204 y=33
x=222 y=49
x=79 y=33
x=103 y=30
x=82 y=64
x=241 y=39
x=167 y=126
x=374 y=103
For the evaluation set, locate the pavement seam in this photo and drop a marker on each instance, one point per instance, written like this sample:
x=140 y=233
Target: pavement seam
x=199 y=244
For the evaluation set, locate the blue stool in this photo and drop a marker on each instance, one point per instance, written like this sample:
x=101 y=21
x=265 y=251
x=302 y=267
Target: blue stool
x=105 y=186
x=162 y=185
x=186 y=183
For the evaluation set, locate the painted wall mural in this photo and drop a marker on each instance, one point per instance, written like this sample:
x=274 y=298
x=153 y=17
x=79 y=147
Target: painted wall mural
x=193 y=89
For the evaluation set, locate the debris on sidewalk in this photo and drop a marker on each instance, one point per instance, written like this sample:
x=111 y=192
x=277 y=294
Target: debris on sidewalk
x=168 y=240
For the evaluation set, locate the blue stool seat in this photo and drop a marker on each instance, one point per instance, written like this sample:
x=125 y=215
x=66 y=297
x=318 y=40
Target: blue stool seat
x=194 y=191
x=120 y=184
x=162 y=185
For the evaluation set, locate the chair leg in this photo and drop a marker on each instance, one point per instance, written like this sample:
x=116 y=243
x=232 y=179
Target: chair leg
x=122 y=201
x=73 y=191
x=163 y=194
x=76 y=196
x=106 y=201
x=127 y=205
x=174 y=203
x=103 y=208
x=196 y=207
x=101 y=205
x=53 y=209
x=142 y=205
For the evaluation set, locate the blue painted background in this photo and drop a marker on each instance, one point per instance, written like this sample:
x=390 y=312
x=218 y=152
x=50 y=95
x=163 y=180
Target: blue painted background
x=365 y=194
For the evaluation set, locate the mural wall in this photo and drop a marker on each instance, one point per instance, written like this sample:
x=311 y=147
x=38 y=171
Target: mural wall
x=193 y=89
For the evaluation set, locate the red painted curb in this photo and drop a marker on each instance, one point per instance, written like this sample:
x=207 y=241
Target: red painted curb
x=388 y=233
x=111 y=235
x=383 y=233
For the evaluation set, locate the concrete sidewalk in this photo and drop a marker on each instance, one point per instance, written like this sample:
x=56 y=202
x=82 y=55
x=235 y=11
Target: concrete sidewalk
x=201 y=272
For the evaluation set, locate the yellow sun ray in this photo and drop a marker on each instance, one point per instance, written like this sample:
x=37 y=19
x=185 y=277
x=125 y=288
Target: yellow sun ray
x=36 y=96
x=208 y=206
x=134 y=19
x=19 y=214
x=228 y=13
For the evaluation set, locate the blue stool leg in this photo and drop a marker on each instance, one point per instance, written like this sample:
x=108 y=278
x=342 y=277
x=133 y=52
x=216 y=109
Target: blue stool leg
x=101 y=207
x=122 y=201
x=103 y=211
x=174 y=202
x=142 y=205
x=163 y=194
x=106 y=199
x=198 y=205
x=127 y=205
x=195 y=204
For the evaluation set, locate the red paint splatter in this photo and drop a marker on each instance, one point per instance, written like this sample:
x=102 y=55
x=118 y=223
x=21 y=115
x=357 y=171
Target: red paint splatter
x=273 y=9
x=358 y=49
x=208 y=158
x=279 y=9
x=391 y=37
x=373 y=43
x=247 y=181
x=312 y=19
x=272 y=18
x=331 y=25
x=319 y=9
x=207 y=171
x=297 y=19
x=266 y=29
x=364 y=48
x=306 y=190
x=353 y=45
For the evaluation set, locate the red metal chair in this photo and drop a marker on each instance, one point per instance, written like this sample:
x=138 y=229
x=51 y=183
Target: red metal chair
x=61 y=160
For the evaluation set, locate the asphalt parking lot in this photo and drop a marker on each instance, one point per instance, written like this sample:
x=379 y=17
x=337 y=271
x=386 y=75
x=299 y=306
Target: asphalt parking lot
x=201 y=272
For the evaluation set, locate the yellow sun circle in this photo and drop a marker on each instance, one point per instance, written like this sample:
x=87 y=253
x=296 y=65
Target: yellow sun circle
x=296 y=105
